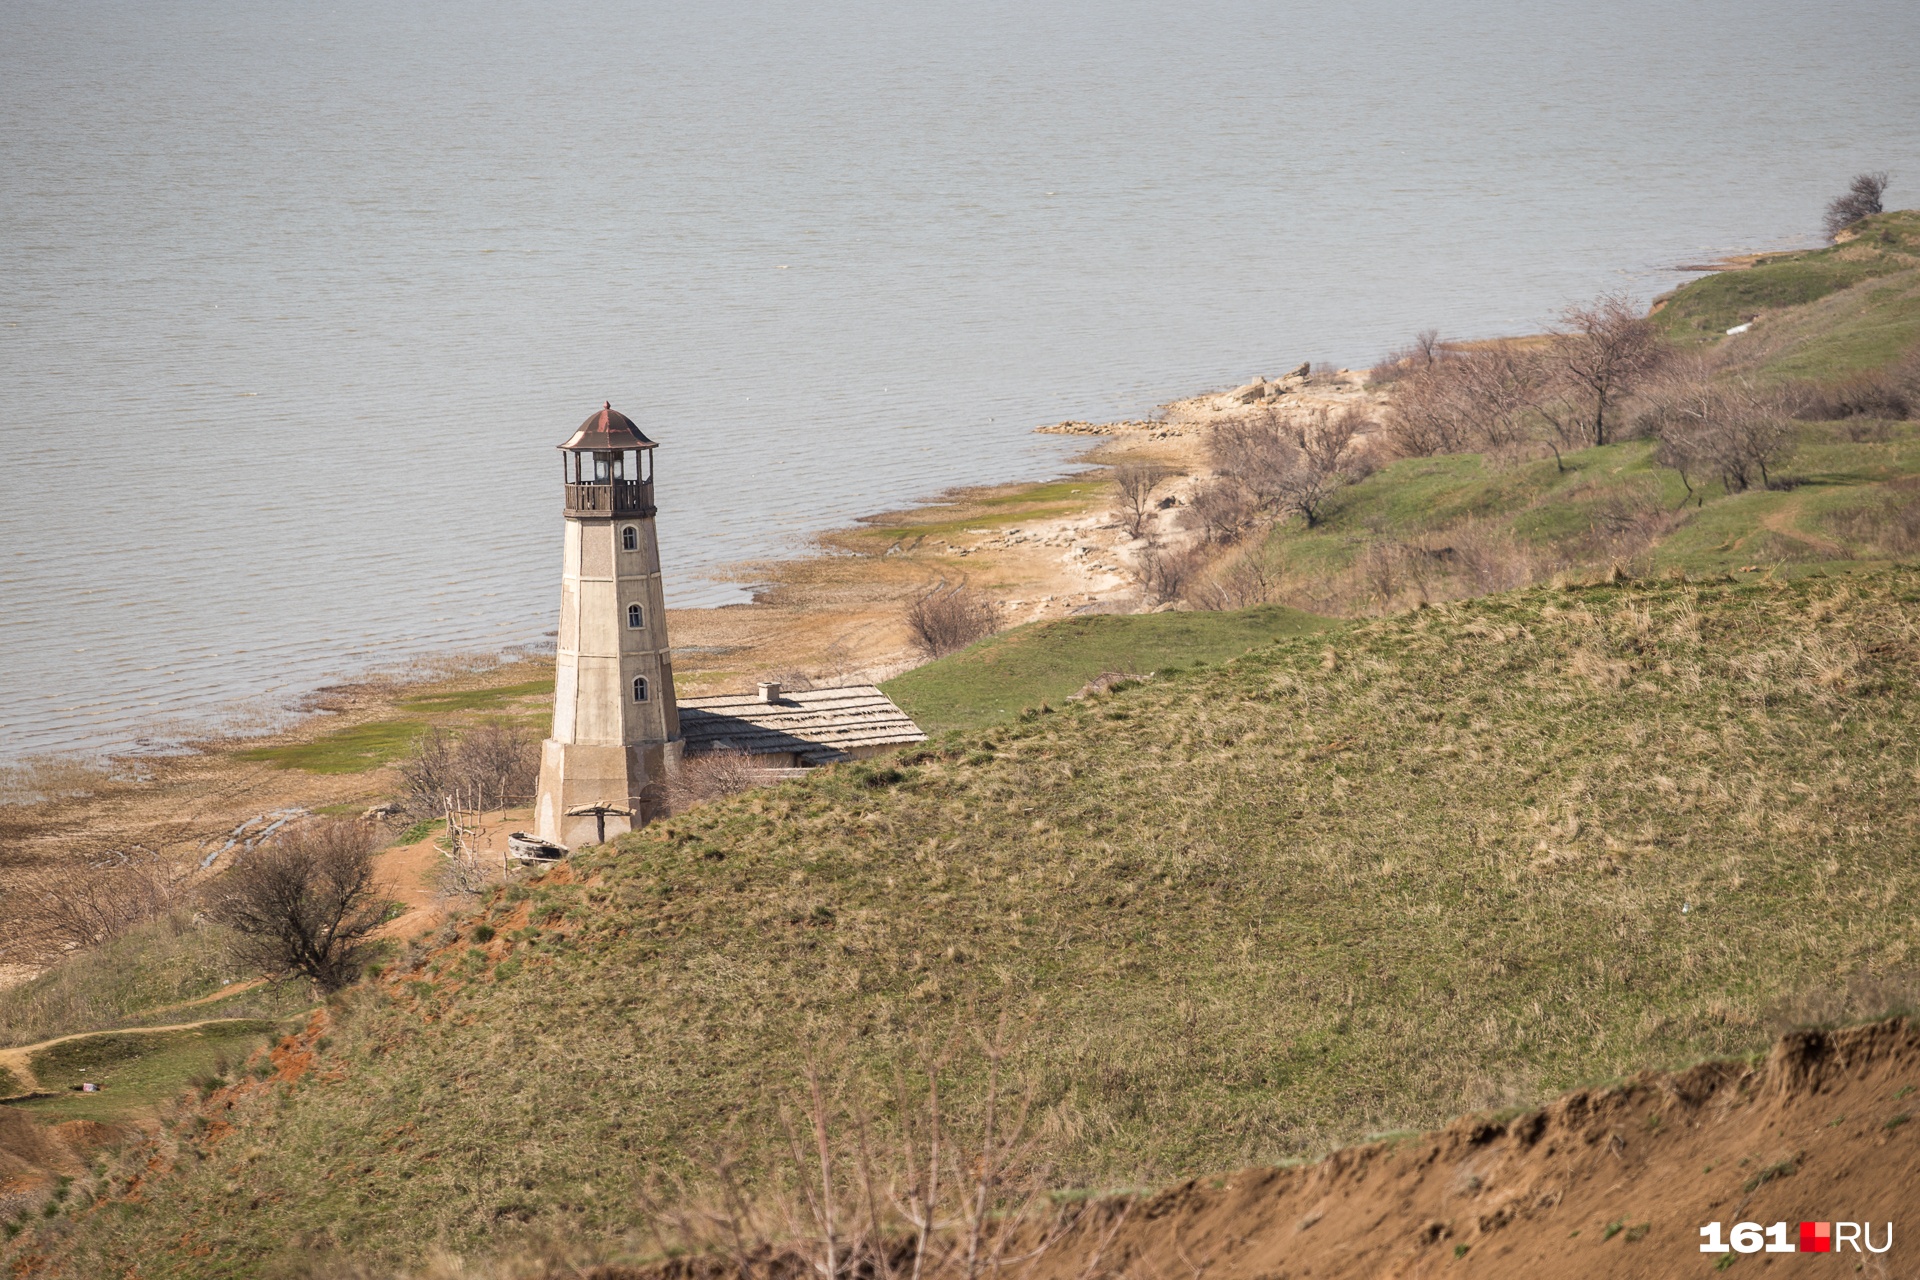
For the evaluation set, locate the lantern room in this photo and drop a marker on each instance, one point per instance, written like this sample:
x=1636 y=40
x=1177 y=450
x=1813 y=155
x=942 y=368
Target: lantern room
x=608 y=467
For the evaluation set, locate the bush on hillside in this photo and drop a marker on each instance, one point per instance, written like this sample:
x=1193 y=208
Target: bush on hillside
x=1728 y=430
x=712 y=775
x=305 y=903
x=489 y=766
x=1398 y=363
x=1278 y=465
x=1602 y=352
x=1862 y=200
x=949 y=618
x=1470 y=401
x=51 y=912
x=1892 y=392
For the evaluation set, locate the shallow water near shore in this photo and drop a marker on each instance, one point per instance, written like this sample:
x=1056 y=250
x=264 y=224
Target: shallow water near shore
x=298 y=299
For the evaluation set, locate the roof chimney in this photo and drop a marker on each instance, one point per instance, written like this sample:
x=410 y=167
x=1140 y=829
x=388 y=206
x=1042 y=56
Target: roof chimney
x=770 y=691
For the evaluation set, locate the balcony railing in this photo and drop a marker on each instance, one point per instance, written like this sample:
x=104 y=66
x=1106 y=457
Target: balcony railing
x=620 y=498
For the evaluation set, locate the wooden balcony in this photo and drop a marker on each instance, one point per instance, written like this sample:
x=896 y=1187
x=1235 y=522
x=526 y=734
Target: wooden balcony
x=621 y=498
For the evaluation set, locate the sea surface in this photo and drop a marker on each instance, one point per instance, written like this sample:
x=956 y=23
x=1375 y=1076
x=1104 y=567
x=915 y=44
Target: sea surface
x=297 y=298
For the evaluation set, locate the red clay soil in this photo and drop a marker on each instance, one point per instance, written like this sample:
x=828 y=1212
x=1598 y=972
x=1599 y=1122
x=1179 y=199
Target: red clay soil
x=33 y=1155
x=1607 y=1182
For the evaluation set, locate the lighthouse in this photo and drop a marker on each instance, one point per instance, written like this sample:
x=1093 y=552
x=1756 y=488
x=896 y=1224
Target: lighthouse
x=616 y=728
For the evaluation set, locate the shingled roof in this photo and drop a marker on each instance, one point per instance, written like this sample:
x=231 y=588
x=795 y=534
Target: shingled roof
x=819 y=726
x=607 y=428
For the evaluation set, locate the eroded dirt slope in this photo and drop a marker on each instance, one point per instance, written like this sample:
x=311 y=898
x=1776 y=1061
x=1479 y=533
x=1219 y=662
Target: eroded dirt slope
x=1613 y=1182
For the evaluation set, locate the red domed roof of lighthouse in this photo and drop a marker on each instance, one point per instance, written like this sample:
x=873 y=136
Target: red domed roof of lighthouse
x=608 y=429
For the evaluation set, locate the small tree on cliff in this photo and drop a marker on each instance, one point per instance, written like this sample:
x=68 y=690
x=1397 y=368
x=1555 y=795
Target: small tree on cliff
x=306 y=902
x=1862 y=200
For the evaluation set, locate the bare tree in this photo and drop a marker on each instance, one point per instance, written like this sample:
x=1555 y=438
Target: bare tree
x=1602 y=352
x=712 y=775
x=50 y=912
x=1727 y=430
x=1249 y=580
x=1164 y=574
x=1424 y=350
x=501 y=762
x=949 y=618
x=1862 y=200
x=1484 y=398
x=1221 y=510
x=306 y=902
x=1321 y=443
x=1258 y=453
x=489 y=766
x=1136 y=482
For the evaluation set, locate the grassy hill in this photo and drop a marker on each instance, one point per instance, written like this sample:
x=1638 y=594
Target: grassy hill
x=1047 y=662
x=1467 y=524
x=1885 y=245
x=1349 y=882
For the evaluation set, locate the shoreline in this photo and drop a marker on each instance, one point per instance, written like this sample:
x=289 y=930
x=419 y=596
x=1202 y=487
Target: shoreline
x=833 y=614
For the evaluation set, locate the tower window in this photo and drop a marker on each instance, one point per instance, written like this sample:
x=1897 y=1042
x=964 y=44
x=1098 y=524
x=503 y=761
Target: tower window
x=636 y=618
x=639 y=688
x=629 y=539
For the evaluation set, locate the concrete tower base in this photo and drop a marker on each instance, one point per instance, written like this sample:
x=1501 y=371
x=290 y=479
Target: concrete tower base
x=576 y=774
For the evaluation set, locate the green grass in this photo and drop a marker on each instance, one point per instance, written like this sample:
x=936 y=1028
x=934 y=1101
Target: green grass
x=1703 y=310
x=1555 y=514
x=1864 y=328
x=138 y=1071
x=361 y=747
x=131 y=981
x=1046 y=662
x=1030 y=502
x=1354 y=881
x=10 y=1084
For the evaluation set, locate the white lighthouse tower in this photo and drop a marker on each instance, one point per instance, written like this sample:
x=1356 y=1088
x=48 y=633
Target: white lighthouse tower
x=615 y=724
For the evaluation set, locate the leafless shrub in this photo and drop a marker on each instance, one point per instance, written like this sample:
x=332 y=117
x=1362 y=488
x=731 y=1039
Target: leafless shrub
x=1890 y=393
x=306 y=902
x=1602 y=352
x=1409 y=359
x=1164 y=573
x=54 y=910
x=1221 y=512
x=1862 y=200
x=1241 y=583
x=1484 y=398
x=1890 y=524
x=489 y=766
x=949 y=618
x=711 y=775
x=1256 y=453
x=872 y=1183
x=1136 y=482
x=1729 y=430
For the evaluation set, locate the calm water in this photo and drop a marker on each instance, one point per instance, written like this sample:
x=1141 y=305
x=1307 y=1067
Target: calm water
x=299 y=297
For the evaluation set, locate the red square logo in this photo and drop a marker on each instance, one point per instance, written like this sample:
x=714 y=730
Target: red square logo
x=1816 y=1237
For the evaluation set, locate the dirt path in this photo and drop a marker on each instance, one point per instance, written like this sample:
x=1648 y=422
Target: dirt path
x=232 y=989
x=1785 y=522
x=17 y=1059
